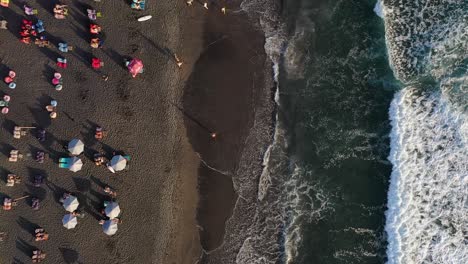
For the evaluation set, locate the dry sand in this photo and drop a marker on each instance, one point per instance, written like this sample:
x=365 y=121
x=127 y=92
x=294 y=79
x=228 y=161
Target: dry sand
x=158 y=193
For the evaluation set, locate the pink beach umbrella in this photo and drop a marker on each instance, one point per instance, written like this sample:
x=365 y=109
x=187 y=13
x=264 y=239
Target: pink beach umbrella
x=135 y=67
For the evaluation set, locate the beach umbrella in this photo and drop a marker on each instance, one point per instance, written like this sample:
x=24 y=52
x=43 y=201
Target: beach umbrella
x=118 y=163
x=112 y=210
x=110 y=227
x=76 y=146
x=135 y=66
x=71 y=203
x=75 y=164
x=69 y=221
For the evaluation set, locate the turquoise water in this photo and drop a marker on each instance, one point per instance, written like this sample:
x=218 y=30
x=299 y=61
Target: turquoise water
x=335 y=113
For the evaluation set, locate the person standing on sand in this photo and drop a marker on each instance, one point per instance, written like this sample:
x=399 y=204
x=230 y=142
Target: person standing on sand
x=178 y=61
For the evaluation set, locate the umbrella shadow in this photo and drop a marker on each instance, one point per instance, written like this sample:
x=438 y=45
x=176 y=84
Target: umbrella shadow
x=48 y=72
x=24 y=247
x=27 y=225
x=69 y=255
x=17 y=261
x=8 y=125
x=41 y=117
x=6 y=148
x=81 y=184
x=83 y=56
x=89 y=133
x=116 y=57
x=100 y=183
x=47 y=145
x=5 y=173
x=108 y=150
x=37 y=192
x=48 y=5
x=56 y=190
x=163 y=50
x=89 y=206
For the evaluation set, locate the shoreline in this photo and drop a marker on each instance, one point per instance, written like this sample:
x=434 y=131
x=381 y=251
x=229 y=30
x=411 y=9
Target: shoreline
x=230 y=92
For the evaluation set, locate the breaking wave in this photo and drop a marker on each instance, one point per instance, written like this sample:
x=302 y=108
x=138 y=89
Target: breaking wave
x=427 y=201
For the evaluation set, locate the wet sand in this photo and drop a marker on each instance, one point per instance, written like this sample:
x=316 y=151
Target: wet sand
x=229 y=92
x=158 y=194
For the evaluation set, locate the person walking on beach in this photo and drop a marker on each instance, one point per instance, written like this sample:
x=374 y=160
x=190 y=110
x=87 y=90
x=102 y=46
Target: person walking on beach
x=178 y=61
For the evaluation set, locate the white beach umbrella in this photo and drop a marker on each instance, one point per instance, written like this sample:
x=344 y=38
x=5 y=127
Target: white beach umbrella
x=118 y=163
x=71 y=203
x=112 y=210
x=69 y=221
x=75 y=164
x=75 y=146
x=110 y=227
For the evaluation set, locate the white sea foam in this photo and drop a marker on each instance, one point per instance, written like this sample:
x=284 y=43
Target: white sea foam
x=427 y=200
x=422 y=33
x=379 y=9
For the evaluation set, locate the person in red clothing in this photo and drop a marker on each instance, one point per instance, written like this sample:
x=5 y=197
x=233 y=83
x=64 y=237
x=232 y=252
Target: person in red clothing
x=96 y=63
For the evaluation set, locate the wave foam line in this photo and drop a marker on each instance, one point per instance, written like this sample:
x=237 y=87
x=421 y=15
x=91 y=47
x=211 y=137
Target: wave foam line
x=427 y=201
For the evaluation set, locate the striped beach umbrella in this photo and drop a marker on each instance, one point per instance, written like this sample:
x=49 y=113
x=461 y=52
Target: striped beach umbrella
x=118 y=163
x=69 y=221
x=110 y=227
x=75 y=164
x=76 y=146
x=71 y=203
x=112 y=210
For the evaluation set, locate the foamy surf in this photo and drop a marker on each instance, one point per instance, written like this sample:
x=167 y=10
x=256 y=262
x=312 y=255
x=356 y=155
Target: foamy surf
x=427 y=201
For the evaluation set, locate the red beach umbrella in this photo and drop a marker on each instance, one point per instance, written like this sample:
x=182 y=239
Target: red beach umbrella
x=135 y=67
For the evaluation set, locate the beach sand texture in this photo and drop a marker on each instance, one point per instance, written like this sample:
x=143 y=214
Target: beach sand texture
x=158 y=193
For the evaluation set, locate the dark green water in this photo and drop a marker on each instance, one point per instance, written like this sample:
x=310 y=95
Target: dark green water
x=336 y=115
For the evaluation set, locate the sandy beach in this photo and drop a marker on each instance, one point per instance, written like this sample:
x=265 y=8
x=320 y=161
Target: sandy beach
x=158 y=193
x=178 y=192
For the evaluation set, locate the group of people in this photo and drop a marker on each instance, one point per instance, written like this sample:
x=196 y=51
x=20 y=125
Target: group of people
x=205 y=5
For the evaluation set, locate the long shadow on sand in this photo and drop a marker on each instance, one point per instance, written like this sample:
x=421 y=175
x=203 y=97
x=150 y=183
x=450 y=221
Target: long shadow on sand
x=56 y=190
x=27 y=225
x=41 y=117
x=17 y=261
x=5 y=149
x=24 y=247
x=69 y=255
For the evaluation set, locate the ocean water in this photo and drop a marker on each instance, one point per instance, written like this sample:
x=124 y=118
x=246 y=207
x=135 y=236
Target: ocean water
x=427 y=216
x=322 y=194
x=369 y=158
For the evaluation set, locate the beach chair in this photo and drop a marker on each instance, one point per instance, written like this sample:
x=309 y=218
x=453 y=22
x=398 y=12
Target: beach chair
x=3 y=236
x=29 y=10
x=4 y=3
x=14 y=156
x=64 y=47
x=93 y=14
x=138 y=4
x=13 y=179
x=8 y=203
x=64 y=165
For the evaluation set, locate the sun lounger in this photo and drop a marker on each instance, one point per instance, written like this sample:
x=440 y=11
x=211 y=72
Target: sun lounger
x=14 y=156
x=138 y=4
x=13 y=179
x=64 y=165
x=18 y=132
x=4 y=3
x=3 y=24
